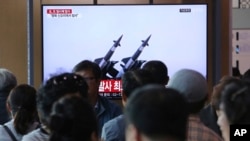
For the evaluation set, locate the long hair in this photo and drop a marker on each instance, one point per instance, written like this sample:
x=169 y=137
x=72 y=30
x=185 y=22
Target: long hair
x=22 y=101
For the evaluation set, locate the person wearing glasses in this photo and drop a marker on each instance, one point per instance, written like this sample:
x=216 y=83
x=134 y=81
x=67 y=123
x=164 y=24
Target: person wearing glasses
x=105 y=109
x=52 y=90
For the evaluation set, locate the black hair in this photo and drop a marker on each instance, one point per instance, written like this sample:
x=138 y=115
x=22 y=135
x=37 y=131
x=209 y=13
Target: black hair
x=159 y=71
x=56 y=87
x=7 y=81
x=236 y=72
x=134 y=79
x=216 y=97
x=236 y=102
x=88 y=65
x=22 y=101
x=72 y=119
x=246 y=75
x=158 y=112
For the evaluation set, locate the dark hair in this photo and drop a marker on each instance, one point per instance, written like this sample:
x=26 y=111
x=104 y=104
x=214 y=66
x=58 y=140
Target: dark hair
x=133 y=79
x=55 y=88
x=158 y=112
x=72 y=119
x=88 y=65
x=236 y=72
x=236 y=102
x=22 y=101
x=159 y=71
x=246 y=75
x=215 y=99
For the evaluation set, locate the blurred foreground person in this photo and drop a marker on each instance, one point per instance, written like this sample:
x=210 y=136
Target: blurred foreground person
x=52 y=90
x=73 y=119
x=156 y=113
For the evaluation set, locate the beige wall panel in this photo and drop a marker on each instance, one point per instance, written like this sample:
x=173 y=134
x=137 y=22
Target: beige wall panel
x=37 y=44
x=67 y=1
x=13 y=37
x=123 y=1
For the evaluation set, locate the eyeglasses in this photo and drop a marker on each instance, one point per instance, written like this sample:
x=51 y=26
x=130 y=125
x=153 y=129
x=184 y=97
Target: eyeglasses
x=89 y=78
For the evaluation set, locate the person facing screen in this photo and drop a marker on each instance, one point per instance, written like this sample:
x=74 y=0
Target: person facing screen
x=234 y=106
x=156 y=113
x=158 y=69
x=49 y=92
x=21 y=105
x=73 y=119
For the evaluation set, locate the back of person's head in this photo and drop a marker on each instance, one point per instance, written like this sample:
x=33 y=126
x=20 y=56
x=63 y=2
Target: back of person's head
x=216 y=94
x=235 y=102
x=88 y=65
x=157 y=112
x=134 y=79
x=193 y=86
x=159 y=71
x=55 y=88
x=72 y=119
x=7 y=80
x=22 y=104
x=246 y=75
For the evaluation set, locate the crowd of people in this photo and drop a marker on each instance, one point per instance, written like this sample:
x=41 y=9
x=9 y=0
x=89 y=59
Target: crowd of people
x=156 y=107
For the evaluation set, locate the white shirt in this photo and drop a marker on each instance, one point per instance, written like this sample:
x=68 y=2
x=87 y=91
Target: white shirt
x=4 y=136
x=36 y=135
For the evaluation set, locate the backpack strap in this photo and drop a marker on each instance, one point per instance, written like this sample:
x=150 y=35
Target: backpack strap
x=10 y=133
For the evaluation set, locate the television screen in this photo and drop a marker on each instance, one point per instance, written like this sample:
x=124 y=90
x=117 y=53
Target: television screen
x=123 y=37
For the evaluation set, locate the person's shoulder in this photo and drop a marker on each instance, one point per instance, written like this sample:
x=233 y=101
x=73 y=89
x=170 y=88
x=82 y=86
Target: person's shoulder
x=106 y=101
x=115 y=121
x=36 y=135
x=113 y=129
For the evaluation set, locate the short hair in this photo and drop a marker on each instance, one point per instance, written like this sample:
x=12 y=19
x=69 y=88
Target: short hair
x=236 y=102
x=88 y=65
x=7 y=80
x=22 y=101
x=72 y=118
x=134 y=79
x=56 y=87
x=246 y=75
x=158 y=112
x=158 y=69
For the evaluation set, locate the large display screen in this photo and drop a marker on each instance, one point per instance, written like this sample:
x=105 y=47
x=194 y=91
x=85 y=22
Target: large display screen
x=123 y=37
